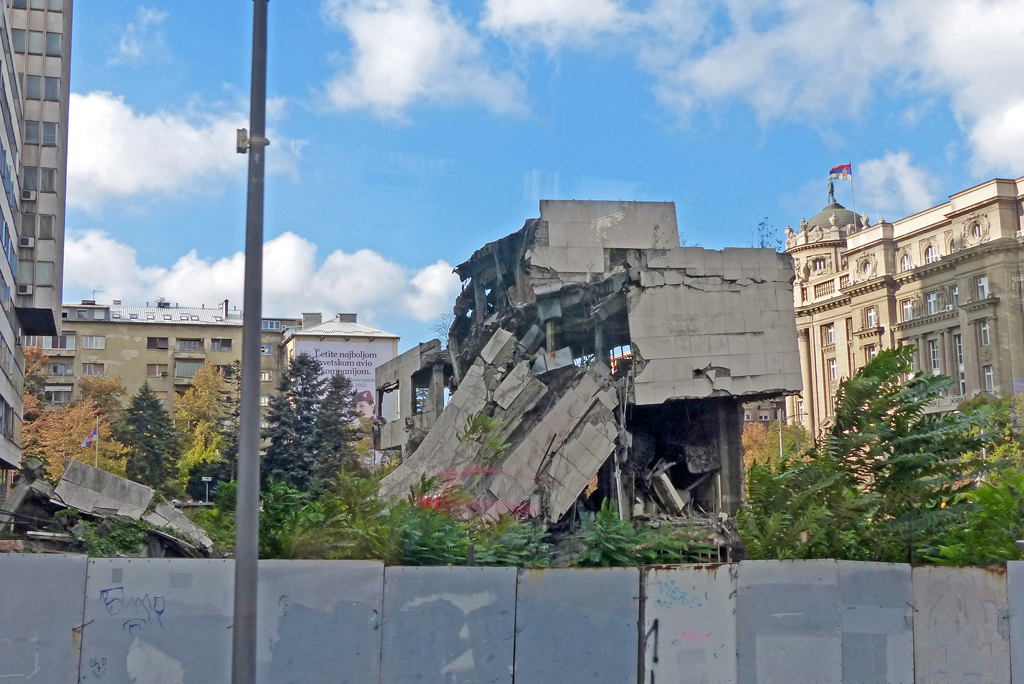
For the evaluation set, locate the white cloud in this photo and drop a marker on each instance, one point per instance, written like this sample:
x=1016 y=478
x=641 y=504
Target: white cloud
x=553 y=22
x=364 y=282
x=405 y=51
x=115 y=152
x=140 y=36
x=893 y=186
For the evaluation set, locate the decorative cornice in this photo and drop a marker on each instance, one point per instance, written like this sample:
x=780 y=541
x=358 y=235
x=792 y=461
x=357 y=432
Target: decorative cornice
x=924 y=320
x=827 y=305
x=870 y=332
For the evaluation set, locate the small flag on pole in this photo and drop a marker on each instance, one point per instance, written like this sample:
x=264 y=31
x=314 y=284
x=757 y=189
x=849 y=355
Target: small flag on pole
x=842 y=172
x=93 y=437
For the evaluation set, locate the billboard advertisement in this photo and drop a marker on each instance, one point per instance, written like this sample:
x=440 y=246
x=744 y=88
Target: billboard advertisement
x=358 y=361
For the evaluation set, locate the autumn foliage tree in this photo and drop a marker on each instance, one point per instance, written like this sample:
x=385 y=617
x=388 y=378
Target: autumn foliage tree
x=55 y=437
x=200 y=415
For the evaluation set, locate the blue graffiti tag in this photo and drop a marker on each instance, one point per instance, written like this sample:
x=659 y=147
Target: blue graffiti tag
x=143 y=610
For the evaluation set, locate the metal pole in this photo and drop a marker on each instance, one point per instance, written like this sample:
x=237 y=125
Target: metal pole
x=243 y=633
x=97 y=441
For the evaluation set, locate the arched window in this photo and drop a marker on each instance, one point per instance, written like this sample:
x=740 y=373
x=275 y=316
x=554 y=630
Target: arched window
x=931 y=255
x=905 y=263
x=818 y=264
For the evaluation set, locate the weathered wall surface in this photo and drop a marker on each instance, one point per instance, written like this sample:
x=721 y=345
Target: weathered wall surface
x=449 y=624
x=167 y=621
x=961 y=626
x=690 y=624
x=577 y=626
x=40 y=611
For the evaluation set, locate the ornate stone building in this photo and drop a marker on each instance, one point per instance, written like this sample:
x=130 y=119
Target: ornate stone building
x=946 y=280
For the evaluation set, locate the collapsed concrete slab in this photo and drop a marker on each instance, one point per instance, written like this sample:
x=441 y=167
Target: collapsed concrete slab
x=612 y=361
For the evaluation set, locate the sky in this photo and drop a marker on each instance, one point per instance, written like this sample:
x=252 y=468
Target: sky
x=407 y=133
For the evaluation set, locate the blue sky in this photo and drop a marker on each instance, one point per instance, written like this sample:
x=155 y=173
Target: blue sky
x=406 y=133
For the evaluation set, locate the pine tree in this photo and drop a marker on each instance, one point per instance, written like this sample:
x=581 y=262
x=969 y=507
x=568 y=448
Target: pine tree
x=336 y=425
x=147 y=430
x=292 y=425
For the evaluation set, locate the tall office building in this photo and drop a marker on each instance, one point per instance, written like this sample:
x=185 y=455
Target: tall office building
x=34 y=93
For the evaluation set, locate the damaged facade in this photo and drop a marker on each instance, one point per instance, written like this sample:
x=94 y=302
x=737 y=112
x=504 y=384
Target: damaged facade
x=612 y=362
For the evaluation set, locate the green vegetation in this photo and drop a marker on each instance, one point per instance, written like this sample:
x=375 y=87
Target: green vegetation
x=891 y=482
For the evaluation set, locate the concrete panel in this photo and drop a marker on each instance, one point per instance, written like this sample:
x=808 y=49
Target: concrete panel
x=690 y=624
x=876 y=620
x=158 y=621
x=1015 y=593
x=319 y=621
x=577 y=626
x=961 y=626
x=40 y=609
x=788 y=629
x=449 y=625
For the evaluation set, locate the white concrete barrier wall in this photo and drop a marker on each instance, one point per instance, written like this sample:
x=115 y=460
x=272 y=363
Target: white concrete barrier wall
x=167 y=621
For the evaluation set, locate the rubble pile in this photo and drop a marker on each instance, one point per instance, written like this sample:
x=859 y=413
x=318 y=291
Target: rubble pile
x=611 y=361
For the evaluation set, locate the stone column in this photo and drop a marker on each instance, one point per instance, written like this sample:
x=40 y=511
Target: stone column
x=968 y=337
x=995 y=348
x=730 y=449
x=943 y=362
x=804 y=342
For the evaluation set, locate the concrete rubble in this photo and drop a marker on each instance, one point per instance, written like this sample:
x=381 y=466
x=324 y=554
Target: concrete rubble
x=612 y=361
x=97 y=493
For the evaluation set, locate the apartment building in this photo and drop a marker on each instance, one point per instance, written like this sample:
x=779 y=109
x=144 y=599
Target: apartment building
x=946 y=280
x=165 y=345
x=34 y=87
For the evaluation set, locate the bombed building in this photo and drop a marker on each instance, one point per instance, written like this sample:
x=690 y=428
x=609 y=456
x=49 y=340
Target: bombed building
x=592 y=357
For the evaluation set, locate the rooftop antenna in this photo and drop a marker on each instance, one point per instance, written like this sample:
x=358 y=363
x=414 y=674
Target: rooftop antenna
x=94 y=294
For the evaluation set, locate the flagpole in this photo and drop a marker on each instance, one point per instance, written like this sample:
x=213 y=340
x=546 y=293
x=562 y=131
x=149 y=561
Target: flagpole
x=853 y=195
x=97 y=441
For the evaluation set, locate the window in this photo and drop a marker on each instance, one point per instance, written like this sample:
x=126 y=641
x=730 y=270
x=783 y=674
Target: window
x=931 y=255
x=990 y=378
x=932 y=302
x=958 y=346
x=44 y=273
x=53 y=44
x=55 y=5
x=49 y=134
x=933 y=355
x=266 y=349
x=28 y=225
x=92 y=369
x=18 y=39
x=133 y=317
x=954 y=296
x=190 y=346
x=184 y=318
x=51 y=89
x=94 y=342
x=985 y=329
x=870 y=352
x=156 y=343
x=33 y=87
x=220 y=345
x=264 y=400
x=46 y=222
x=37 y=4
x=905 y=263
x=907 y=308
x=20 y=4
x=819 y=264
x=32 y=132
x=59 y=396
x=271 y=325
x=194 y=318
x=59 y=369
x=186 y=370
x=266 y=376
x=47 y=180
x=871 y=317
x=30 y=178
x=833 y=369
x=150 y=317
x=36 y=42
x=828 y=334
x=981 y=286
x=168 y=317
x=156 y=370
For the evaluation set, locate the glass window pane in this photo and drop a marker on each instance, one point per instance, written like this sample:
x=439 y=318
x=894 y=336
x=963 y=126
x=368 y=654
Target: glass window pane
x=55 y=5
x=44 y=273
x=49 y=134
x=32 y=132
x=53 y=44
x=30 y=180
x=20 y=4
x=34 y=87
x=48 y=180
x=37 y=4
x=46 y=227
x=18 y=38
x=36 y=40
x=52 y=89
x=28 y=225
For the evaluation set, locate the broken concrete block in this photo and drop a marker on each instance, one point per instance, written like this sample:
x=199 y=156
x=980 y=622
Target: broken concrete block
x=512 y=385
x=499 y=348
x=666 y=494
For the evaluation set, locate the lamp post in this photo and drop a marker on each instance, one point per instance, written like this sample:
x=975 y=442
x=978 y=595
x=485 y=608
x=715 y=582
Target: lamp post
x=243 y=631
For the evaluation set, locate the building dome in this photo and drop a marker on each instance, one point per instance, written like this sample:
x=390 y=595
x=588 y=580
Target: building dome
x=822 y=219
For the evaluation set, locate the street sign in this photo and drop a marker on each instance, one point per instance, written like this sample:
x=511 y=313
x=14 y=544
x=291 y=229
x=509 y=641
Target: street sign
x=207 y=479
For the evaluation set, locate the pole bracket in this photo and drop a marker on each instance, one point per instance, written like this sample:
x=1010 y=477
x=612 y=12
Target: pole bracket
x=243 y=142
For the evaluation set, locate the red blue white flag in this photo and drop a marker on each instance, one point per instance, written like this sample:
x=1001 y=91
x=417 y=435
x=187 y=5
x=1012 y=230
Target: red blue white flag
x=93 y=437
x=842 y=172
